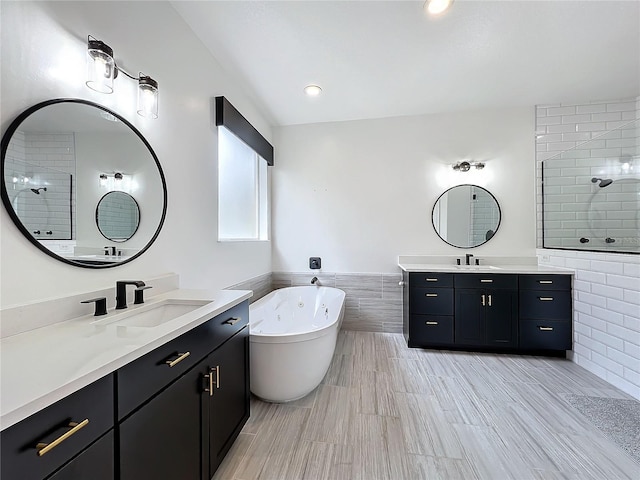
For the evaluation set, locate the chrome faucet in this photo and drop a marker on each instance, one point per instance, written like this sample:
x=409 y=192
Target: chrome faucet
x=315 y=281
x=121 y=291
x=468 y=258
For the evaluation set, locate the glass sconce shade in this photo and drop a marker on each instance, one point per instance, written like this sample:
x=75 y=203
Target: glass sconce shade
x=101 y=68
x=147 y=97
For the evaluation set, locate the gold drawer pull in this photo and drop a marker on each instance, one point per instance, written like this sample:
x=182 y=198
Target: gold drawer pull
x=430 y=294
x=431 y=323
x=486 y=280
x=484 y=301
x=431 y=279
x=545 y=299
x=546 y=329
x=181 y=356
x=231 y=321
x=46 y=447
x=545 y=281
x=489 y=300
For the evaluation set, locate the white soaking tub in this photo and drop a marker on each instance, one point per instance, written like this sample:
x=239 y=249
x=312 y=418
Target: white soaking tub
x=293 y=333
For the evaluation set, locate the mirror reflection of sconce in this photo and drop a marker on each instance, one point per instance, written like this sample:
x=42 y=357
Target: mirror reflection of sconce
x=466 y=166
x=117 y=181
x=102 y=71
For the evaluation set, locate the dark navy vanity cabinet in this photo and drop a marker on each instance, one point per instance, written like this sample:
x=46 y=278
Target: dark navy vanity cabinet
x=527 y=312
x=172 y=413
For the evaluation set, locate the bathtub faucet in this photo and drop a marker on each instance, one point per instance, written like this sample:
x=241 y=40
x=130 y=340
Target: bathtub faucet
x=315 y=281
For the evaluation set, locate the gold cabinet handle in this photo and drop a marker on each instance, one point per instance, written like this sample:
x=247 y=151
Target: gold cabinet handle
x=546 y=329
x=486 y=280
x=431 y=323
x=231 y=321
x=217 y=369
x=545 y=299
x=484 y=300
x=431 y=279
x=545 y=281
x=430 y=294
x=209 y=377
x=489 y=300
x=181 y=356
x=47 y=447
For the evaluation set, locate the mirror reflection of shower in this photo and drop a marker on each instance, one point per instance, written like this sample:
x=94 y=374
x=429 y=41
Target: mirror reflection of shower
x=40 y=197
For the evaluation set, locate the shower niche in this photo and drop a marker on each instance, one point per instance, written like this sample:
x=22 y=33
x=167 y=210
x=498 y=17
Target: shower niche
x=591 y=194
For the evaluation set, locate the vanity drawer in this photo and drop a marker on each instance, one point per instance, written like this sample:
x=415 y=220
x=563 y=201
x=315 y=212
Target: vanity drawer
x=431 y=301
x=91 y=408
x=545 y=304
x=486 y=280
x=427 y=330
x=144 y=377
x=545 y=282
x=545 y=335
x=419 y=279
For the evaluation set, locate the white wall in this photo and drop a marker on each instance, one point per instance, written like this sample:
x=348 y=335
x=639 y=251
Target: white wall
x=360 y=193
x=43 y=48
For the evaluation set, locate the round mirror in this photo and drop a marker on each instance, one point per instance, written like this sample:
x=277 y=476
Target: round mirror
x=117 y=216
x=61 y=158
x=466 y=216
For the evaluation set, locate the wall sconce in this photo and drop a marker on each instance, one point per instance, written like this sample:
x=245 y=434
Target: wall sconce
x=466 y=166
x=102 y=70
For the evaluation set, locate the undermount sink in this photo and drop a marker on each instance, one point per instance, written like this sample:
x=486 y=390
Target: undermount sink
x=155 y=314
x=476 y=267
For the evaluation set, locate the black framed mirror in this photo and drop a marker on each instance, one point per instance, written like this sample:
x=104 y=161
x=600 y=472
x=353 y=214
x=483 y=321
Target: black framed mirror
x=60 y=158
x=466 y=216
x=117 y=216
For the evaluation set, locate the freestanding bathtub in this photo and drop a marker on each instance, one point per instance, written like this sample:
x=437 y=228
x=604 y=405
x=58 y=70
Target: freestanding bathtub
x=293 y=333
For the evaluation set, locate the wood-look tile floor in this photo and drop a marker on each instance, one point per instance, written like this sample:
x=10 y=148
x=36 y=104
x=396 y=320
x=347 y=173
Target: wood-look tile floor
x=385 y=411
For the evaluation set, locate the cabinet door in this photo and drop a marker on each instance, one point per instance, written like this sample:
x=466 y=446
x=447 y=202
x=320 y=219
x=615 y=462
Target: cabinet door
x=96 y=462
x=161 y=440
x=469 y=318
x=501 y=323
x=228 y=407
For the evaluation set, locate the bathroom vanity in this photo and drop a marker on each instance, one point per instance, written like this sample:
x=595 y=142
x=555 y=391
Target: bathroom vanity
x=524 y=308
x=154 y=401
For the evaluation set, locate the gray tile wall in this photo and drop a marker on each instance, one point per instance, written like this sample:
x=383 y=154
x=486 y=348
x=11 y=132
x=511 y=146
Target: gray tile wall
x=261 y=285
x=373 y=300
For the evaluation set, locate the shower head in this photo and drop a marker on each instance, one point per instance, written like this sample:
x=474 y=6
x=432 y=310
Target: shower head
x=603 y=183
x=37 y=190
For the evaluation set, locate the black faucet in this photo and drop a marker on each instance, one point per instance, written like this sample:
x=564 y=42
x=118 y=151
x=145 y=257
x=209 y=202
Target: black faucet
x=468 y=258
x=101 y=305
x=139 y=294
x=121 y=291
x=112 y=249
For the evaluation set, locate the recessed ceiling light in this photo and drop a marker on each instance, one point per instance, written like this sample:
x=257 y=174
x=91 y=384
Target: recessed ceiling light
x=435 y=7
x=312 y=90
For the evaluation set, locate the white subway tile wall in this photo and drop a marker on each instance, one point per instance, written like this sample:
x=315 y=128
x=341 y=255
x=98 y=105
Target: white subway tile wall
x=606 y=328
x=574 y=144
x=606 y=325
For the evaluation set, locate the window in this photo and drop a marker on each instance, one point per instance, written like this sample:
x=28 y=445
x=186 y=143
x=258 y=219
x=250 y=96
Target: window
x=242 y=190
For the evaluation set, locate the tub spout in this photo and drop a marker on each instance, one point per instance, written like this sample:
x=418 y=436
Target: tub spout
x=315 y=281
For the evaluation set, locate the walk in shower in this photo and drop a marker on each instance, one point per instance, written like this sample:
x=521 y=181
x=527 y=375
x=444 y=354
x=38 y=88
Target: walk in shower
x=591 y=194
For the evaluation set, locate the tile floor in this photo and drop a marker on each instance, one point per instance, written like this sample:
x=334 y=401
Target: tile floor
x=385 y=411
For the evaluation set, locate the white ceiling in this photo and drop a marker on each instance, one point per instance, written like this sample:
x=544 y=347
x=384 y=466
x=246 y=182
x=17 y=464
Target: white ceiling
x=388 y=58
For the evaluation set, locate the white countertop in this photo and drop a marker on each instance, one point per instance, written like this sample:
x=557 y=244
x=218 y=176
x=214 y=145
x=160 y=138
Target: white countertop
x=532 y=269
x=41 y=366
